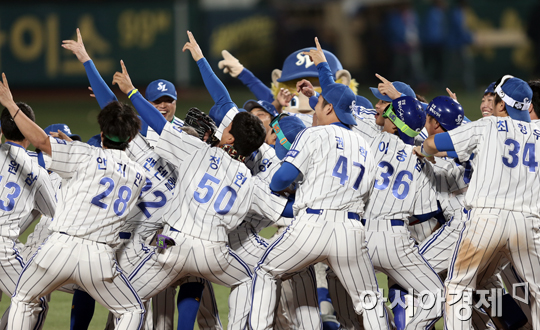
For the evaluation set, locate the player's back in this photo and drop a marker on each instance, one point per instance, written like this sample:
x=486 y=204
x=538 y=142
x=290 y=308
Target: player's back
x=337 y=166
x=217 y=191
x=102 y=187
x=403 y=185
x=158 y=190
x=506 y=172
x=24 y=185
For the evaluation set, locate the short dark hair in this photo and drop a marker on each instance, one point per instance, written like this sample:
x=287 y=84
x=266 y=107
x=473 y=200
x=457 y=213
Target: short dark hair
x=535 y=86
x=118 y=120
x=324 y=102
x=248 y=132
x=9 y=128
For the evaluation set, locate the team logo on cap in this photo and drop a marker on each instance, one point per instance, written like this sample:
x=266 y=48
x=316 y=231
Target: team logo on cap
x=459 y=119
x=303 y=59
x=162 y=87
x=518 y=105
x=501 y=93
x=66 y=129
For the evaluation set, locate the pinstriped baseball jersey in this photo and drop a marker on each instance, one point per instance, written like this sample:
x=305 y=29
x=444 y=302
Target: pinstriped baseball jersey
x=421 y=137
x=152 y=137
x=102 y=189
x=217 y=191
x=263 y=162
x=161 y=178
x=337 y=166
x=24 y=186
x=403 y=183
x=226 y=121
x=367 y=115
x=305 y=118
x=450 y=183
x=509 y=176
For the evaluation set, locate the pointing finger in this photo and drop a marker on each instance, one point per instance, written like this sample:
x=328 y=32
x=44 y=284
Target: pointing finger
x=318 y=44
x=124 y=70
x=383 y=79
x=79 y=37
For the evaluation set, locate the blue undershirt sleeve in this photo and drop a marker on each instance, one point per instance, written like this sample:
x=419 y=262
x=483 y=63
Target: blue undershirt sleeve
x=325 y=75
x=452 y=154
x=283 y=177
x=215 y=87
x=148 y=112
x=288 y=210
x=256 y=86
x=103 y=93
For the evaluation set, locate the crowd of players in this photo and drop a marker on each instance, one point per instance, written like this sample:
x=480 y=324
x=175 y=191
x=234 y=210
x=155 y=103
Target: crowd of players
x=446 y=208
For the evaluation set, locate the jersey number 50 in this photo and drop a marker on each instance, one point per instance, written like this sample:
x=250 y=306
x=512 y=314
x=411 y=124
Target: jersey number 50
x=204 y=198
x=122 y=199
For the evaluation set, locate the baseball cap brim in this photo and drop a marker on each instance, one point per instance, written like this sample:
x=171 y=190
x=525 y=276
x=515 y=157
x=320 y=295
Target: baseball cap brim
x=518 y=114
x=161 y=95
x=297 y=75
x=378 y=95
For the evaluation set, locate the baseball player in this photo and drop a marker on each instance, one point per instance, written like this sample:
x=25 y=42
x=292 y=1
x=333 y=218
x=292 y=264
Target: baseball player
x=411 y=193
x=534 y=110
x=328 y=203
x=502 y=219
x=162 y=95
x=25 y=186
x=217 y=194
x=104 y=185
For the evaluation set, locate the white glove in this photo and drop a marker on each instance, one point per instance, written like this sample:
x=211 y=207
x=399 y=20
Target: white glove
x=230 y=64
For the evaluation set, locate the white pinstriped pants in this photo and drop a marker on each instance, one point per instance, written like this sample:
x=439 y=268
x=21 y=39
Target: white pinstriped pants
x=213 y=261
x=331 y=238
x=488 y=233
x=65 y=259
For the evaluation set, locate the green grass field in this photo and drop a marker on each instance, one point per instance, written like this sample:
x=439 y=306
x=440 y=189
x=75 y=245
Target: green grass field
x=79 y=111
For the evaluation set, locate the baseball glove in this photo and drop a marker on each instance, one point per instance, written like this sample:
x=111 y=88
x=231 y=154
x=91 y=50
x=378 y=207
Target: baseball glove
x=203 y=124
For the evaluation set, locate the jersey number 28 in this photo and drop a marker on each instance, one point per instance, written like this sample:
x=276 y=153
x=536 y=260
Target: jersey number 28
x=120 y=204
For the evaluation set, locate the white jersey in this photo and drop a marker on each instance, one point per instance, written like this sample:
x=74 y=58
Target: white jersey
x=217 y=192
x=161 y=178
x=305 y=118
x=337 y=166
x=24 y=186
x=452 y=179
x=102 y=188
x=404 y=184
x=152 y=136
x=505 y=168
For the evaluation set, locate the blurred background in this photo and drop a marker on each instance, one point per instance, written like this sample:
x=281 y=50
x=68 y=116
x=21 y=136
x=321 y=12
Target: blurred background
x=430 y=44
x=463 y=45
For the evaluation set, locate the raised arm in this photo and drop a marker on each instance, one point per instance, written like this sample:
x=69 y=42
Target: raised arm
x=148 y=112
x=28 y=128
x=231 y=65
x=215 y=87
x=104 y=95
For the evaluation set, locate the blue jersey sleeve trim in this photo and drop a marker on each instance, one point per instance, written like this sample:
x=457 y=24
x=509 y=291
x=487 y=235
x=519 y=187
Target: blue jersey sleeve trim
x=325 y=74
x=283 y=177
x=443 y=142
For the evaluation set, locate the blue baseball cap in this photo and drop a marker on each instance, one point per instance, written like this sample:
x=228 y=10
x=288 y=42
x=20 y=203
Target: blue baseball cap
x=517 y=96
x=490 y=88
x=297 y=65
x=159 y=88
x=401 y=87
x=343 y=100
x=62 y=128
x=363 y=102
x=262 y=104
x=95 y=141
x=290 y=126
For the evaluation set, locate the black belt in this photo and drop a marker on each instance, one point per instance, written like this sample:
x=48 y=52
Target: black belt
x=393 y=222
x=122 y=235
x=350 y=215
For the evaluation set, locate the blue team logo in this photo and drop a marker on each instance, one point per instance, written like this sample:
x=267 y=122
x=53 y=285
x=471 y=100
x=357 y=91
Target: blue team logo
x=292 y=153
